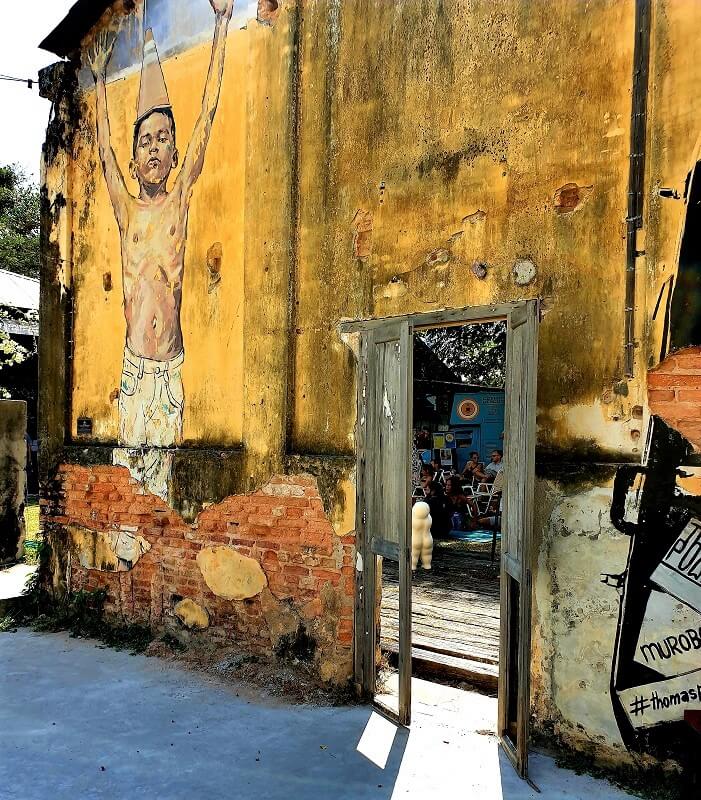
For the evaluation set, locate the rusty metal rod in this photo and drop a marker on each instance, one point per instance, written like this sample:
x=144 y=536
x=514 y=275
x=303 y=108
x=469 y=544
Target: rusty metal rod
x=636 y=180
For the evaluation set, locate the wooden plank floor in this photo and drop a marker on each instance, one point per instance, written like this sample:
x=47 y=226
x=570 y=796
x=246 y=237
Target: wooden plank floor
x=455 y=613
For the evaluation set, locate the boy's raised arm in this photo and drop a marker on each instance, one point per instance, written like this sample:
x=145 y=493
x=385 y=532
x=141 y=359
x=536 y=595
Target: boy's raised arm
x=194 y=157
x=99 y=56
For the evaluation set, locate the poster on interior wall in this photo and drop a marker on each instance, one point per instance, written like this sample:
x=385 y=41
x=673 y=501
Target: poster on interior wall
x=152 y=218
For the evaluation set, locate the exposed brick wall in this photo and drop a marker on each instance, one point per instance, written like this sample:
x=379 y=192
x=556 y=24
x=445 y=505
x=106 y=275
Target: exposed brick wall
x=283 y=526
x=674 y=392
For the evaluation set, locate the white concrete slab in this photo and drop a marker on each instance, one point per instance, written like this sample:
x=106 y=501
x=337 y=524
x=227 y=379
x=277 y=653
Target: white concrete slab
x=78 y=721
x=13 y=580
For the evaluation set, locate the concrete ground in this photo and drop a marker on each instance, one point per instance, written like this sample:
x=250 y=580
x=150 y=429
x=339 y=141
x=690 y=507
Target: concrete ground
x=79 y=721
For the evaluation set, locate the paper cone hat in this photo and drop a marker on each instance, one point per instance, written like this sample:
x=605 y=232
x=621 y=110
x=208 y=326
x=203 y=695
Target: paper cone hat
x=153 y=93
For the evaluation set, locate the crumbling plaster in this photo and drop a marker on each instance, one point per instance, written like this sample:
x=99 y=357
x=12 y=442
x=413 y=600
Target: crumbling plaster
x=575 y=612
x=229 y=574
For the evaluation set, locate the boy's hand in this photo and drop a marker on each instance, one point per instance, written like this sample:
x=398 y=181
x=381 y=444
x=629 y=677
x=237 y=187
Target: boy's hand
x=100 y=53
x=223 y=8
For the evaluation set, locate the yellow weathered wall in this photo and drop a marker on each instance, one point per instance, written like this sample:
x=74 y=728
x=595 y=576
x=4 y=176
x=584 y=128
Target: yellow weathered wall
x=459 y=108
x=451 y=110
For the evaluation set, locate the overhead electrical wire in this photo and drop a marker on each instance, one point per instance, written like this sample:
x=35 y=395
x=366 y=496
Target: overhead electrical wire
x=28 y=81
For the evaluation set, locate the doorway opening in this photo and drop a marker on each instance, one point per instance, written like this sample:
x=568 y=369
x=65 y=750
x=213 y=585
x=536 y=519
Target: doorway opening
x=458 y=475
x=482 y=542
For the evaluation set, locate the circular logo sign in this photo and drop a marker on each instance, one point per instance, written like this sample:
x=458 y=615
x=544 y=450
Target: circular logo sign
x=468 y=409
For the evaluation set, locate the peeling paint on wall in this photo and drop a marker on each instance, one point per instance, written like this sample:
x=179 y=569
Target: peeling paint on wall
x=570 y=198
x=116 y=550
x=229 y=574
x=191 y=614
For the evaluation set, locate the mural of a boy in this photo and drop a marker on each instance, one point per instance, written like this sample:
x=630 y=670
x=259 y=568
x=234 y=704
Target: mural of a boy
x=153 y=236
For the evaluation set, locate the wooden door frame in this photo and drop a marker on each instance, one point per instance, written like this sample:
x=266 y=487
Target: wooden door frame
x=391 y=515
x=520 y=429
x=365 y=613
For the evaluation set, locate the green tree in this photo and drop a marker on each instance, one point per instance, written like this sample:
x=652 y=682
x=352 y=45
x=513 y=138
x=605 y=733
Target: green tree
x=475 y=353
x=19 y=222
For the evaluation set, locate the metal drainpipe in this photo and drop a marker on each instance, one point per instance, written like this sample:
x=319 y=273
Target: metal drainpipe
x=636 y=179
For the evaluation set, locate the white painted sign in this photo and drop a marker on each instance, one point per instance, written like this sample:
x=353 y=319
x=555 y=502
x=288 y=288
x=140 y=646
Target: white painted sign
x=663 y=701
x=679 y=572
x=670 y=636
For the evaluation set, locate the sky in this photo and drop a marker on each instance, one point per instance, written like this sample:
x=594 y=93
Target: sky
x=22 y=26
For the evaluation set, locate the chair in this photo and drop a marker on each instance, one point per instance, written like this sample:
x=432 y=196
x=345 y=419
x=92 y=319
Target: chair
x=489 y=492
x=483 y=494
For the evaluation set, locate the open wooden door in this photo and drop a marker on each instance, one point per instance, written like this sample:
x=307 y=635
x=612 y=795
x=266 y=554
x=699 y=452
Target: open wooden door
x=517 y=524
x=386 y=496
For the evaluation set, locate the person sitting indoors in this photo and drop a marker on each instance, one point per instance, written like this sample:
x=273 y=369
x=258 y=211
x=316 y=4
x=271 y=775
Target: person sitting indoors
x=492 y=519
x=459 y=502
x=438 y=471
x=424 y=440
x=495 y=466
x=474 y=468
x=427 y=475
x=454 y=494
x=440 y=510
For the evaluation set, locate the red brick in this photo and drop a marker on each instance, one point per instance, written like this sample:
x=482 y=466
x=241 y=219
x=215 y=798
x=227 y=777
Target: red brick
x=662 y=395
x=303 y=480
x=287 y=533
x=321 y=526
x=291 y=523
x=300 y=502
x=327 y=575
x=260 y=519
x=312 y=539
x=292 y=569
x=312 y=608
x=263 y=501
x=664 y=380
x=688 y=358
x=690 y=395
x=684 y=411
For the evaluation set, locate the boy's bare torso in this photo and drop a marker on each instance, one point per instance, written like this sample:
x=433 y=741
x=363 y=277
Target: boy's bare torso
x=153 y=256
x=153 y=226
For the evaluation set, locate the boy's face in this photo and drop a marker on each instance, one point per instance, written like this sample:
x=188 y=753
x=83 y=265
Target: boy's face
x=156 y=153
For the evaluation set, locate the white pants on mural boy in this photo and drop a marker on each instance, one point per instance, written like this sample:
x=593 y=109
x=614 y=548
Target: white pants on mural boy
x=151 y=402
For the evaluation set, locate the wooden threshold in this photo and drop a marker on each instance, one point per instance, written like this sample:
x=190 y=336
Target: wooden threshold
x=478 y=673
